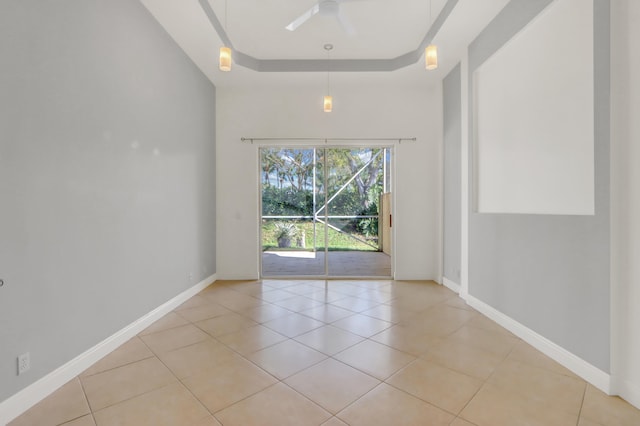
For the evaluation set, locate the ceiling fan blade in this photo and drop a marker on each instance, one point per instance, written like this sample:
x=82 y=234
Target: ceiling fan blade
x=303 y=18
x=346 y=24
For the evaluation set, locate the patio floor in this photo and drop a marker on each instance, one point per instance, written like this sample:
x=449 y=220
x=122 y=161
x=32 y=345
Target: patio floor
x=341 y=264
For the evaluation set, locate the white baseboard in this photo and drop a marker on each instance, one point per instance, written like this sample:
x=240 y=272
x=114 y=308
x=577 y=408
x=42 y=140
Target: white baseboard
x=628 y=391
x=451 y=285
x=36 y=392
x=582 y=368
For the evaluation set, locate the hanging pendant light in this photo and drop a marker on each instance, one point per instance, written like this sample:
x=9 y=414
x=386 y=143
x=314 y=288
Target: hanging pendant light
x=431 y=51
x=328 y=99
x=224 y=62
x=225 y=59
x=431 y=57
x=328 y=103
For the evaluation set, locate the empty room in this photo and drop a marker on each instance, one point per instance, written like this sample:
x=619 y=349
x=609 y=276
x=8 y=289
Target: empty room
x=321 y=212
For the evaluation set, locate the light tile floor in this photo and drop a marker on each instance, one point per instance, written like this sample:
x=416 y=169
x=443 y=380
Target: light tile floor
x=278 y=352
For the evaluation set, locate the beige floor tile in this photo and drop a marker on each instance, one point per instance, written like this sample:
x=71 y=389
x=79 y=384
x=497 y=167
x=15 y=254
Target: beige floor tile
x=113 y=386
x=278 y=405
x=355 y=304
x=203 y=312
x=433 y=325
x=274 y=295
x=256 y=289
x=325 y=295
x=480 y=321
x=334 y=421
x=246 y=287
x=416 y=302
x=461 y=422
x=328 y=339
x=332 y=384
x=493 y=406
x=65 y=404
x=194 y=302
x=228 y=383
x=386 y=405
x=327 y=313
x=608 y=410
x=225 y=324
x=251 y=339
x=362 y=325
x=497 y=343
x=344 y=287
x=585 y=422
x=171 y=320
x=286 y=358
x=374 y=358
x=409 y=340
x=441 y=320
x=264 y=313
x=388 y=313
x=168 y=406
x=131 y=351
x=174 y=338
x=440 y=386
x=457 y=302
x=434 y=354
x=277 y=283
x=376 y=295
x=464 y=359
x=207 y=421
x=555 y=391
x=194 y=359
x=293 y=324
x=233 y=300
x=303 y=289
x=81 y=421
x=527 y=354
x=298 y=303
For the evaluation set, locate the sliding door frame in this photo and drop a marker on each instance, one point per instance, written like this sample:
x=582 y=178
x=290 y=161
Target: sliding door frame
x=315 y=147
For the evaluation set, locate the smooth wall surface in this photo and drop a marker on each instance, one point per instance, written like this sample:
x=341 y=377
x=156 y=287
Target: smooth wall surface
x=625 y=198
x=358 y=112
x=549 y=272
x=452 y=141
x=534 y=117
x=107 y=177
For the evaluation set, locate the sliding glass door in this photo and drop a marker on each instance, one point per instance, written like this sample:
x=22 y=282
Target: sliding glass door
x=321 y=211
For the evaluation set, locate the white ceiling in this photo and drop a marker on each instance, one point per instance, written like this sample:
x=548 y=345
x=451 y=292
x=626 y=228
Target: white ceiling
x=384 y=30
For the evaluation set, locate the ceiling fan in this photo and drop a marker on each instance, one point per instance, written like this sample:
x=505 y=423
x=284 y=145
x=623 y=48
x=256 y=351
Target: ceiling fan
x=325 y=8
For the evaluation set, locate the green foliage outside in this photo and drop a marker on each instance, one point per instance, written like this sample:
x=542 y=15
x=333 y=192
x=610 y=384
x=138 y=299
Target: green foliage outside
x=355 y=175
x=337 y=241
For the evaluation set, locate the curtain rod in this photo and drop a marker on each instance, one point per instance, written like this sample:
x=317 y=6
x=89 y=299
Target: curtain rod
x=243 y=139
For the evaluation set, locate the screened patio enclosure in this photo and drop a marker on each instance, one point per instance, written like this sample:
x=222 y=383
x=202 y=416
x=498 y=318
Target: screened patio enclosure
x=322 y=212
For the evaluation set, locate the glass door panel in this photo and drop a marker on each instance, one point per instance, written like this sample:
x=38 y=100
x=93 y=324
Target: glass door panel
x=321 y=211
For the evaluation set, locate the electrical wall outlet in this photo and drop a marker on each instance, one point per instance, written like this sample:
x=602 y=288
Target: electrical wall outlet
x=24 y=363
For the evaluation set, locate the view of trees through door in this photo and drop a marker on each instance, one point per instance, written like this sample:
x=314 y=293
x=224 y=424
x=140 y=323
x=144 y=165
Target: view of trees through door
x=321 y=211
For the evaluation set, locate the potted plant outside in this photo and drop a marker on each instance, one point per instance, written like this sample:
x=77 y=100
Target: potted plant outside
x=285 y=232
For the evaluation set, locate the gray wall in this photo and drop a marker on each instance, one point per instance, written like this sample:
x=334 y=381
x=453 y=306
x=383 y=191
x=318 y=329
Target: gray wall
x=452 y=140
x=548 y=272
x=107 y=176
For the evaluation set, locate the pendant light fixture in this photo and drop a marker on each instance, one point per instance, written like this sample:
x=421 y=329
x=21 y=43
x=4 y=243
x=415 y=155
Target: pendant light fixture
x=225 y=52
x=328 y=99
x=431 y=51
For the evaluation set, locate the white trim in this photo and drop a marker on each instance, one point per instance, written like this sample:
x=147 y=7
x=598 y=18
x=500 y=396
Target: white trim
x=455 y=287
x=628 y=391
x=26 y=398
x=464 y=176
x=582 y=368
